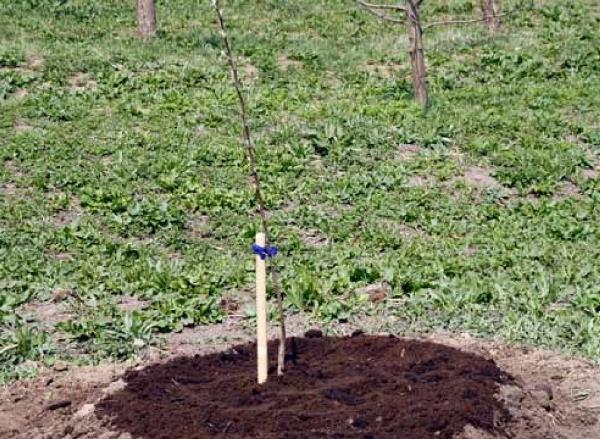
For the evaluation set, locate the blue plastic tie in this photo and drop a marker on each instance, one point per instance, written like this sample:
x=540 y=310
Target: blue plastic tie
x=264 y=252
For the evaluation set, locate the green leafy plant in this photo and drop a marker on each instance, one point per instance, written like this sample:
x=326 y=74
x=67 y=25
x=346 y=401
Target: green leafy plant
x=121 y=174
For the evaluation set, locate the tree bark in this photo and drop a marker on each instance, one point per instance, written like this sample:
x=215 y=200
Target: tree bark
x=146 y=15
x=490 y=11
x=417 y=56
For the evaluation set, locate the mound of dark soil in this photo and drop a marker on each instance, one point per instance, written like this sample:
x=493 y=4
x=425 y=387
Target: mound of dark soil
x=353 y=387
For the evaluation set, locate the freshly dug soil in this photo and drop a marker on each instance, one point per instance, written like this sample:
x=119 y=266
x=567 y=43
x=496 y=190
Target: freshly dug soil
x=352 y=387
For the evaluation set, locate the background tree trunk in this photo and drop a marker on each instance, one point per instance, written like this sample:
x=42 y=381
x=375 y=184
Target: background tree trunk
x=490 y=11
x=146 y=15
x=417 y=57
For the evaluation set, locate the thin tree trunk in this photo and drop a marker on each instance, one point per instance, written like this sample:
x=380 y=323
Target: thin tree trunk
x=490 y=11
x=262 y=209
x=146 y=15
x=417 y=57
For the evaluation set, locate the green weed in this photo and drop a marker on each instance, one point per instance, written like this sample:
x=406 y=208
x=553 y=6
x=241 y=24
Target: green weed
x=122 y=172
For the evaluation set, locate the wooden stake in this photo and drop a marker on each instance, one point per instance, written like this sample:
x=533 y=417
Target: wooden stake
x=261 y=313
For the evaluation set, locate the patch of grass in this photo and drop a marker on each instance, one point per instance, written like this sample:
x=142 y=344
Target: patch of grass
x=22 y=345
x=126 y=157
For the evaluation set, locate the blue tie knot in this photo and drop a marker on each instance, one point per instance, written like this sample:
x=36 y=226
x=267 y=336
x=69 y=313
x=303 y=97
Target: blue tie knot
x=264 y=252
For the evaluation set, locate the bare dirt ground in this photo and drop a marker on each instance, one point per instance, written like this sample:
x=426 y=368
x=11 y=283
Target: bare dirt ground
x=551 y=396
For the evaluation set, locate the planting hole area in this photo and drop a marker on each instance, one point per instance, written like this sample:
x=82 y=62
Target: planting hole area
x=348 y=386
x=351 y=387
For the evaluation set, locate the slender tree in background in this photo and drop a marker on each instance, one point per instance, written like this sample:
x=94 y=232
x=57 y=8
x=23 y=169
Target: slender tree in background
x=417 y=56
x=490 y=13
x=415 y=32
x=408 y=14
x=146 y=16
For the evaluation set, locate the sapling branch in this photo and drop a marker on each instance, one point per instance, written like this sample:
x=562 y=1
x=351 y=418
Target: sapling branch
x=262 y=209
x=373 y=6
x=493 y=15
x=474 y=20
x=374 y=9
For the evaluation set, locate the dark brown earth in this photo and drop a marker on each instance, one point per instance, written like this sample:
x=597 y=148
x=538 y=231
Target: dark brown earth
x=551 y=396
x=351 y=387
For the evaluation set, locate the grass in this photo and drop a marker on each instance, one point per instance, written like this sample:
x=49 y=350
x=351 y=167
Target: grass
x=123 y=175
